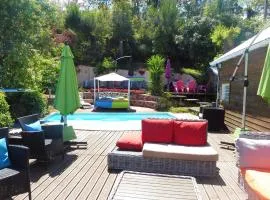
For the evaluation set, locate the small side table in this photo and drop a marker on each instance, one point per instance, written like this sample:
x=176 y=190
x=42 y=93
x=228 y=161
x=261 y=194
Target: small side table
x=215 y=117
x=139 y=185
x=14 y=137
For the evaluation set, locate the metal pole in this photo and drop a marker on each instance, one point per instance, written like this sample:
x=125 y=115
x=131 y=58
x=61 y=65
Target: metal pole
x=265 y=10
x=65 y=120
x=94 y=91
x=128 y=93
x=245 y=91
x=218 y=85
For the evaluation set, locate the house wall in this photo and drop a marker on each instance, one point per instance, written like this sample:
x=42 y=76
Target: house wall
x=86 y=73
x=257 y=110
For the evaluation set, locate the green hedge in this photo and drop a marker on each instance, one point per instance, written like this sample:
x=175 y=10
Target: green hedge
x=27 y=103
x=5 y=117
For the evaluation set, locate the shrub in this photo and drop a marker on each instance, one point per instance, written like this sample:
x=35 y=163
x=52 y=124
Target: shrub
x=156 y=68
x=164 y=102
x=27 y=103
x=199 y=75
x=5 y=117
x=179 y=110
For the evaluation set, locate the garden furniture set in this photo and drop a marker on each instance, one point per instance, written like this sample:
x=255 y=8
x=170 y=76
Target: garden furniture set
x=166 y=151
x=45 y=142
x=166 y=146
x=14 y=176
x=253 y=160
x=40 y=142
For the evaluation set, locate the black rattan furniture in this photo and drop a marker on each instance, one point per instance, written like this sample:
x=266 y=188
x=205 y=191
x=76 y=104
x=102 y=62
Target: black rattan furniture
x=145 y=186
x=15 y=179
x=44 y=145
x=215 y=117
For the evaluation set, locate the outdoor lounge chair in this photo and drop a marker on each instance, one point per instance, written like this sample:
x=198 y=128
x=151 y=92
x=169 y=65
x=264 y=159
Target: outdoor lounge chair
x=84 y=104
x=191 y=86
x=15 y=179
x=179 y=86
x=44 y=145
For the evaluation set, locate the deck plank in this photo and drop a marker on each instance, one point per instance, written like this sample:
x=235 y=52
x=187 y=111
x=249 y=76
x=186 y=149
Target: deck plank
x=83 y=173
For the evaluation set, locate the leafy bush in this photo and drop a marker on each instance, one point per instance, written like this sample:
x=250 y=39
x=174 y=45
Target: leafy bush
x=107 y=65
x=156 y=68
x=223 y=35
x=5 y=117
x=164 y=102
x=197 y=74
x=27 y=103
x=179 y=110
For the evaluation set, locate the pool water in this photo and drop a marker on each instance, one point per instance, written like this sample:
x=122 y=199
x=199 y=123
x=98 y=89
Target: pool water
x=109 y=116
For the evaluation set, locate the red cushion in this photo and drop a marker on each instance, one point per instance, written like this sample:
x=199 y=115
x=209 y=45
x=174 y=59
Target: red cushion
x=193 y=133
x=157 y=130
x=130 y=141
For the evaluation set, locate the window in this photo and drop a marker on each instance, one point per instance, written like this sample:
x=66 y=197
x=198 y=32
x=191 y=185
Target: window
x=225 y=92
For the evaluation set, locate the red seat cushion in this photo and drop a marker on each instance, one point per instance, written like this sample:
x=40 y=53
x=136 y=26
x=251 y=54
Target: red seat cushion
x=193 y=133
x=130 y=141
x=157 y=130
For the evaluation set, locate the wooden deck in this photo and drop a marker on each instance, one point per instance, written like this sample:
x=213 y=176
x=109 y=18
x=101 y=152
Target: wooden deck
x=83 y=173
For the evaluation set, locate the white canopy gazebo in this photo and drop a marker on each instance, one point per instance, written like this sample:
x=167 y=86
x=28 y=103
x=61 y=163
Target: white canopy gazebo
x=115 y=99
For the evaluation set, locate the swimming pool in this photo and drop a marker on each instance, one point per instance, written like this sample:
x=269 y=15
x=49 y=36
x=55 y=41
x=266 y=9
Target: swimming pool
x=109 y=116
x=14 y=90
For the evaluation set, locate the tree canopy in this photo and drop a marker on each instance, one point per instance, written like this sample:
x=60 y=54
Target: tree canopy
x=190 y=32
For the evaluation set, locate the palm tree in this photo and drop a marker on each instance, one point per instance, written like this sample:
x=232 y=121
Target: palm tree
x=156 y=68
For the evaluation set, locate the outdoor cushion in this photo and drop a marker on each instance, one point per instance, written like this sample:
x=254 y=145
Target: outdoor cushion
x=33 y=126
x=253 y=153
x=130 y=141
x=190 y=132
x=4 y=160
x=157 y=130
x=202 y=153
x=259 y=182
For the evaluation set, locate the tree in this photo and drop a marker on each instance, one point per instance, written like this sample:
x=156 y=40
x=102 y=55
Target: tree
x=25 y=33
x=164 y=38
x=225 y=37
x=195 y=47
x=122 y=36
x=156 y=68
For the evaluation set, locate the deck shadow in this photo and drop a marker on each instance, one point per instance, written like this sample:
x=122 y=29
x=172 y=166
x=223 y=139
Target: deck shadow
x=54 y=168
x=211 y=180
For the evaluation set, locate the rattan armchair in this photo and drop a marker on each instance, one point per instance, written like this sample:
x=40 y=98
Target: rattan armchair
x=15 y=179
x=44 y=145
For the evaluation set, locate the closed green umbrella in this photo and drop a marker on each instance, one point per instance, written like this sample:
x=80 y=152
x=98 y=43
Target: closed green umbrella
x=67 y=95
x=264 y=86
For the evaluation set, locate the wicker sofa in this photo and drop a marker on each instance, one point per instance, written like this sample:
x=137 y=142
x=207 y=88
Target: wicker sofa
x=254 y=179
x=15 y=179
x=44 y=145
x=166 y=158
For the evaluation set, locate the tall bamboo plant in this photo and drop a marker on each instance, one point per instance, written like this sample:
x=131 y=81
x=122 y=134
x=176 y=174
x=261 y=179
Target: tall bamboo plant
x=155 y=66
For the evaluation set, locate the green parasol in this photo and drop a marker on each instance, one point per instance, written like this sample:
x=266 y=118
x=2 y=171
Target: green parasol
x=264 y=86
x=67 y=95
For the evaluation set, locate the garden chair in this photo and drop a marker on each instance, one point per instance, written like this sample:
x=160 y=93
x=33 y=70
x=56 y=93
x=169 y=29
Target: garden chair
x=15 y=179
x=83 y=103
x=44 y=145
x=179 y=86
x=202 y=88
x=191 y=86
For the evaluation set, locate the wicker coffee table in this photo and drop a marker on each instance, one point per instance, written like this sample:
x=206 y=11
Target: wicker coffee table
x=147 y=186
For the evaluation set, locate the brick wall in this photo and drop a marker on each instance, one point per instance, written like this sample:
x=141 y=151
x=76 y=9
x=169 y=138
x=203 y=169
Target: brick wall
x=256 y=107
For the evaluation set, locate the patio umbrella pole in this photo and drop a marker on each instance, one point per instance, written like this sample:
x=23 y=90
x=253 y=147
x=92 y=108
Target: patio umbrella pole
x=128 y=94
x=65 y=120
x=245 y=91
x=245 y=54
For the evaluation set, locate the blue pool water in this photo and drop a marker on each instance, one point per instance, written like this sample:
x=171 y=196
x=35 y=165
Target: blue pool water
x=14 y=90
x=109 y=116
